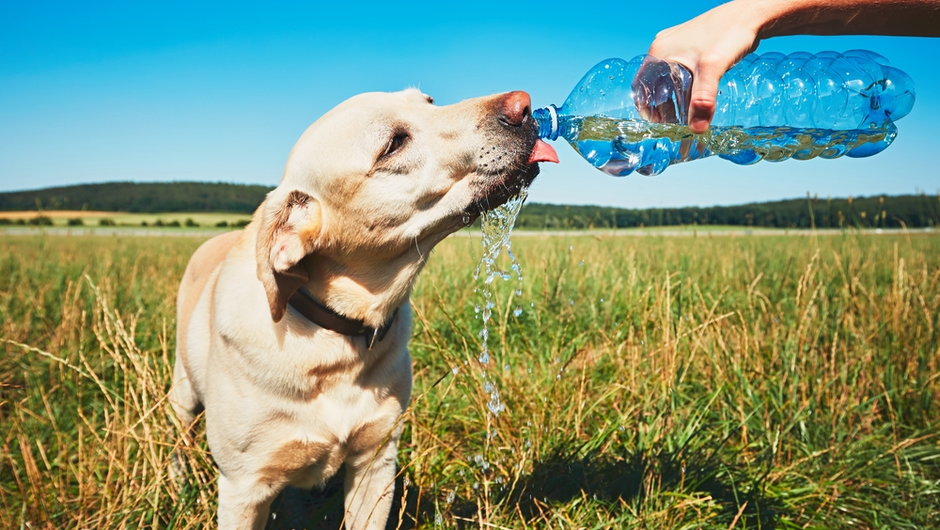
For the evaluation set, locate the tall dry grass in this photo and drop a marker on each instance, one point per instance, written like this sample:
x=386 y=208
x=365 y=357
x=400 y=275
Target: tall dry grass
x=757 y=382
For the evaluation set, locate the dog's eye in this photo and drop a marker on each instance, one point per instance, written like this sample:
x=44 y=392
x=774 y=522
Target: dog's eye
x=396 y=143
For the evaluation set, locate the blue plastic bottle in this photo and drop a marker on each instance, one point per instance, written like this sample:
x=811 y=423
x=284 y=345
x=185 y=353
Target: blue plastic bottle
x=626 y=116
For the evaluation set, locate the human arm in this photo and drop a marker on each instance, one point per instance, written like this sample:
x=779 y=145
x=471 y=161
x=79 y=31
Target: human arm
x=709 y=44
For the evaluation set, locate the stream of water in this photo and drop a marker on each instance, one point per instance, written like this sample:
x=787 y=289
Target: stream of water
x=497 y=227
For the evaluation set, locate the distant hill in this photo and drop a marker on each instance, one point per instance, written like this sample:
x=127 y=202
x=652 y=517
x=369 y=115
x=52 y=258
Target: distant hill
x=893 y=211
x=149 y=197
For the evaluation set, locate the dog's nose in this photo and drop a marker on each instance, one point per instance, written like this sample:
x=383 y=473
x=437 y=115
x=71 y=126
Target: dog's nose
x=515 y=108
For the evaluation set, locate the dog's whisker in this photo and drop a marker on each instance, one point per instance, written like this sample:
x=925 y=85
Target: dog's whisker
x=418 y=248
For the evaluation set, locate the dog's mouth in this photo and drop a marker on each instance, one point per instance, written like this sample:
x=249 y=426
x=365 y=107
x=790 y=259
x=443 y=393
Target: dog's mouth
x=498 y=188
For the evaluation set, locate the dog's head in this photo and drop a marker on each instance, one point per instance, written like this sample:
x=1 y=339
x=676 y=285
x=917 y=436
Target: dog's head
x=380 y=179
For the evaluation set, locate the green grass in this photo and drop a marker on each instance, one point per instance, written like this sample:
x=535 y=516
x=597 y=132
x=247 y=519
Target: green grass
x=93 y=219
x=651 y=382
x=207 y=219
x=668 y=229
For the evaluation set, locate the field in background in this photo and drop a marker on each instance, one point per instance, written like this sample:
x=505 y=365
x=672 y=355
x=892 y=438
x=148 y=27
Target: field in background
x=654 y=382
x=94 y=218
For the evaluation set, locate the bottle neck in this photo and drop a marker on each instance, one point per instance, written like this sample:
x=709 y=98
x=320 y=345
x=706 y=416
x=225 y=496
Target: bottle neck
x=547 y=119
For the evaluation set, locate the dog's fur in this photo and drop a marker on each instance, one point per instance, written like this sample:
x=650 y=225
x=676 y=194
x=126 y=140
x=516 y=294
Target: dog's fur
x=367 y=191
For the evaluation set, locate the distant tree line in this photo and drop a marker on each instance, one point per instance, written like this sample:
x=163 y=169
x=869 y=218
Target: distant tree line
x=148 y=197
x=911 y=211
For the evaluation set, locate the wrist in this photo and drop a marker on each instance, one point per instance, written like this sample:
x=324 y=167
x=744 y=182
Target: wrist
x=752 y=16
x=772 y=18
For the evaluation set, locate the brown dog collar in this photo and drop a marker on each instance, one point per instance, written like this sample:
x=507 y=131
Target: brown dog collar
x=321 y=315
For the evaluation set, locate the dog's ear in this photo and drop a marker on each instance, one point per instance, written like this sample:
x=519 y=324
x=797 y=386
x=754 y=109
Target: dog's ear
x=290 y=227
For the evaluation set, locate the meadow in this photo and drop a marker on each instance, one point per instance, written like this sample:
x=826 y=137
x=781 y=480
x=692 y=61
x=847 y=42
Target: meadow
x=79 y=218
x=649 y=382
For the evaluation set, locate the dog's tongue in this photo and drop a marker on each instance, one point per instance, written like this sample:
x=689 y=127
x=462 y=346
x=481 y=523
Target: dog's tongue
x=542 y=152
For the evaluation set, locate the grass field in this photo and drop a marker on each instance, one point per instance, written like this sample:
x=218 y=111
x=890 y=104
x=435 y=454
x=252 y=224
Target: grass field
x=650 y=382
x=94 y=218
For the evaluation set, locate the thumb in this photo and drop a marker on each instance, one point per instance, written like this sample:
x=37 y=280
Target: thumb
x=703 y=96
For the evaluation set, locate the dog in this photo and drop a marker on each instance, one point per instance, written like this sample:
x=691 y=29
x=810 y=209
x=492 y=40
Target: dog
x=292 y=333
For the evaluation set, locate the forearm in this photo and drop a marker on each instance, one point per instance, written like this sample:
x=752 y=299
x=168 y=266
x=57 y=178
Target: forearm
x=713 y=41
x=774 y=18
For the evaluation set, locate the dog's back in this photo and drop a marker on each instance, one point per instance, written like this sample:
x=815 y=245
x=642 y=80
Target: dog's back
x=198 y=277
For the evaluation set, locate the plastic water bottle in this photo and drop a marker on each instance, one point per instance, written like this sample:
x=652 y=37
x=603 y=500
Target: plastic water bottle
x=626 y=116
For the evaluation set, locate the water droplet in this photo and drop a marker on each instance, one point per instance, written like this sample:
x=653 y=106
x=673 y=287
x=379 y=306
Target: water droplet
x=495 y=406
x=496 y=227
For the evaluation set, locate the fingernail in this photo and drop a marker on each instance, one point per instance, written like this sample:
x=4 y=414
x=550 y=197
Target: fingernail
x=698 y=125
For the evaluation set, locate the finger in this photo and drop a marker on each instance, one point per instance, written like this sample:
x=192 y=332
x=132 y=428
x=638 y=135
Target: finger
x=640 y=91
x=647 y=87
x=704 y=95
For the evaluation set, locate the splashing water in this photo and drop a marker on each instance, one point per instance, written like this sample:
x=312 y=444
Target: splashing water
x=494 y=405
x=497 y=226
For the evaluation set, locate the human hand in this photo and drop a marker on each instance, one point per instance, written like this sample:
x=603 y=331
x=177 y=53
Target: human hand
x=708 y=45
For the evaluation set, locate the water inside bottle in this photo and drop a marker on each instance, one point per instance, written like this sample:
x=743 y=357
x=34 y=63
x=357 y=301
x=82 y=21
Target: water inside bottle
x=619 y=147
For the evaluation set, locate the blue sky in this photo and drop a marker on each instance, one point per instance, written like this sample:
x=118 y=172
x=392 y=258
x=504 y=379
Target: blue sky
x=105 y=91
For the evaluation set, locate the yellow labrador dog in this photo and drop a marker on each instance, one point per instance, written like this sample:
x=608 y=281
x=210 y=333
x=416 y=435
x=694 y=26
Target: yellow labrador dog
x=292 y=333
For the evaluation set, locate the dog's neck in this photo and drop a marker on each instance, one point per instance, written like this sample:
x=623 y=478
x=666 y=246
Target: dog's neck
x=362 y=290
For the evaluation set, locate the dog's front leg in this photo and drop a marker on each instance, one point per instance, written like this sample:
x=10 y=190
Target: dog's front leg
x=369 y=484
x=244 y=504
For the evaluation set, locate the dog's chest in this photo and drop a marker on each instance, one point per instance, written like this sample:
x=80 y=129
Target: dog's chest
x=319 y=436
